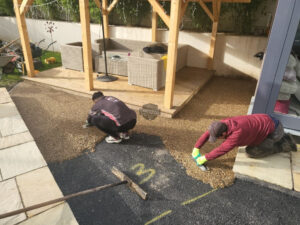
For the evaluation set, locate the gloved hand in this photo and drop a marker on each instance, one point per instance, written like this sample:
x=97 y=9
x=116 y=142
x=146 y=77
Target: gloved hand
x=196 y=153
x=201 y=160
x=197 y=156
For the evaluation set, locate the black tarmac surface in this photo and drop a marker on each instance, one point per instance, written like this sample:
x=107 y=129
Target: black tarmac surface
x=174 y=197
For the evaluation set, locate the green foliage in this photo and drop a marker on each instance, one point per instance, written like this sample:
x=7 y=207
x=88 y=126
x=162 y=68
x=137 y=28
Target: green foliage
x=6 y=8
x=167 y=8
x=131 y=12
x=200 y=20
x=71 y=9
x=9 y=80
x=239 y=18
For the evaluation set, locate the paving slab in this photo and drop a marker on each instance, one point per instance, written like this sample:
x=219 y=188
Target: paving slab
x=296 y=169
x=275 y=169
x=15 y=139
x=12 y=125
x=8 y=110
x=59 y=215
x=10 y=201
x=4 y=96
x=20 y=159
x=36 y=187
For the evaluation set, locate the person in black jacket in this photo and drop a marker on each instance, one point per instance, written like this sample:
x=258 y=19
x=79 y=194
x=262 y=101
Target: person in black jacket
x=111 y=116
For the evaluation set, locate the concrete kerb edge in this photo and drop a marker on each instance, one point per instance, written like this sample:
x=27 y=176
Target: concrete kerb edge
x=268 y=185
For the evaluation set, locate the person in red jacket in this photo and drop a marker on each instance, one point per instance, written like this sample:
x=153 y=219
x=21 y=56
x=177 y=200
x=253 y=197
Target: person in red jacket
x=262 y=134
x=111 y=116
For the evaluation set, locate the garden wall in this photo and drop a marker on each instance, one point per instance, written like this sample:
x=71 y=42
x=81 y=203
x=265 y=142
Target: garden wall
x=234 y=54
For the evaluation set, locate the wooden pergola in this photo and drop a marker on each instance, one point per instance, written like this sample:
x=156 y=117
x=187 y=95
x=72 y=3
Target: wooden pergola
x=172 y=21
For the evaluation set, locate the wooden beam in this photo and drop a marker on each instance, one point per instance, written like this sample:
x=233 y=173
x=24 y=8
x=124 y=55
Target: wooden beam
x=183 y=9
x=24 y=38
x=206 y=9
x=172 y=53
x=99 y=6
x=86 y=43
x=160 y=10
x=24 y=6
x=105 y=19
x=112 y=5
x=216 y=11
x=154 y=25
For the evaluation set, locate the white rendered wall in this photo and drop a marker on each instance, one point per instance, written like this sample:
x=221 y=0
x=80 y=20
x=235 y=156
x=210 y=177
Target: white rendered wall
x=234 y=54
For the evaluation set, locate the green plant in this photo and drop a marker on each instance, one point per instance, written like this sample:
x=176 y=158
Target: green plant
x=131 y=12
x=200 y=20
x=6 y=8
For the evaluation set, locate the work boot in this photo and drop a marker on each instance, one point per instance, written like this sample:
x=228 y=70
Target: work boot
x=112 y=140
x=287 y=143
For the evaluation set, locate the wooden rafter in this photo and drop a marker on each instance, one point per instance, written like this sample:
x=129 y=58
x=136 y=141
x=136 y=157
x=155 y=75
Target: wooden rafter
x=24 y=6
x=183 y=9
x=206 y=9
x=112 y=5
x=161 y=12
x=104 y=11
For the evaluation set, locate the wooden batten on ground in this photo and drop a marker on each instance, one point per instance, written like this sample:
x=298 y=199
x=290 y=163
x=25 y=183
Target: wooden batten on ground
x=189 y=81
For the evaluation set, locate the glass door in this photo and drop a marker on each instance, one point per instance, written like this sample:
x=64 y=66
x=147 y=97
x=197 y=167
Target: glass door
x=278 y=90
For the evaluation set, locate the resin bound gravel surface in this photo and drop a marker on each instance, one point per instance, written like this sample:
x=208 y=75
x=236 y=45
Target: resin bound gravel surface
x=55 y=120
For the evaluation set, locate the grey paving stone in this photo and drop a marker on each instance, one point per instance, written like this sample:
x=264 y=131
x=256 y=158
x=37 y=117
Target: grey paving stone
x=15 y=139
x=8 y=110
x=36 y=187
x=10 y=201
x=4 y=96
x=12 y=125
x=275 y=169
x=59 y=215
x=20 y=159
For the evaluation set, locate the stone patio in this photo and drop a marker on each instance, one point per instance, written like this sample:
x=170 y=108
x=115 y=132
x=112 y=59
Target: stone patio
x=278 y=171
x=25 y=178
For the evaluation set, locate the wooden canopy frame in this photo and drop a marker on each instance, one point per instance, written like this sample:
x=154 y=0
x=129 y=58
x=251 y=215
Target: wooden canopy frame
x=172 y=21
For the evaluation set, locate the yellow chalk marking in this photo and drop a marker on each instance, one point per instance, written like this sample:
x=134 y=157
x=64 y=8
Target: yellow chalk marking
x=142 y=171
x=198 y=197
x=158 y=217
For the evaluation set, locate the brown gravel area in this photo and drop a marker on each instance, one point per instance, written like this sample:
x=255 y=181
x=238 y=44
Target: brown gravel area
x=55 y=118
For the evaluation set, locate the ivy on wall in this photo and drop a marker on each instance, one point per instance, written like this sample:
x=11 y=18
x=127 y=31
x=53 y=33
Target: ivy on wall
x=235 y=17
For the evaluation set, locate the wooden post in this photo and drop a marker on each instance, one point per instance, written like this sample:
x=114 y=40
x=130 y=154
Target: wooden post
x=172 y=53
x=216 y=14
x=154 y=25
x=160 y=11
x=86 y=43
x=105 y=19
x=24 y=38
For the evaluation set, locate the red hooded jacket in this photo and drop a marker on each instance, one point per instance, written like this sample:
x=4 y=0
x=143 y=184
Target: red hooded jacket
x=248 y=130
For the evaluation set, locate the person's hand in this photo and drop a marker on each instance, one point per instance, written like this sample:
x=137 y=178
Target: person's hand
x=201 y=160
x=196 y=153
x=87 y=124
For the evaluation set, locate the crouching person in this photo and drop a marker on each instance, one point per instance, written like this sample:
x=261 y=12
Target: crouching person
x=111 y=116
x=262 y=134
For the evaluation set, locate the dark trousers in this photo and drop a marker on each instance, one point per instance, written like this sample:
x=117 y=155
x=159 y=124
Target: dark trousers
x=109 y=126
x=276 y=142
